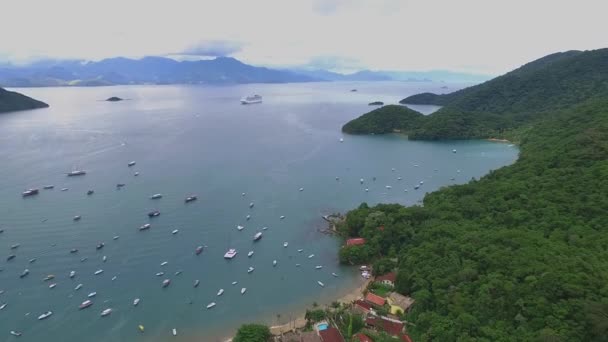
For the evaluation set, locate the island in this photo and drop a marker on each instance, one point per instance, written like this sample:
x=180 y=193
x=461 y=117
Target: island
x=11 y=101
x=114 y=99
x=376 y=103
x=518 y=255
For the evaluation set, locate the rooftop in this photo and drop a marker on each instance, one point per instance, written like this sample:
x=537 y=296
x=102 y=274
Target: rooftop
x=331 y=334
x=355 y=241
x=392 y=277
x=375 y=299
x=400 y=300
x=363 y=338
x=391 y=327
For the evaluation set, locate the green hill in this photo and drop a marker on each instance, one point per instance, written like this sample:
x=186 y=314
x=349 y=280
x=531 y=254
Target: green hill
x=11 y=101
x=386 y=119
x=521 y=254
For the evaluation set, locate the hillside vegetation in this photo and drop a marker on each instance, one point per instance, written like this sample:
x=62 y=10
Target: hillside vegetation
x=11 y=101
x=384 y=120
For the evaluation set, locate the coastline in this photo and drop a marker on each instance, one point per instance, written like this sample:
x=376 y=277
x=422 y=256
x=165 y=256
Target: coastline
x=498 y=140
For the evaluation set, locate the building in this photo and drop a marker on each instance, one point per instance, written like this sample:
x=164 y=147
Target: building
x=399 y=303
x=387 y=279
x=361 y=307
x=374 y=299
x=362 y=338
x=390 y=326
x=355 y=242
x=331 y=334
x=310 y=336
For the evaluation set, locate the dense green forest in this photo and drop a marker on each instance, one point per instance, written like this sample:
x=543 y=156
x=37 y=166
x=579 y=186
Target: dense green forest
x=501 y=106
x=384 y=120
x=12 y=101
x=521 y=254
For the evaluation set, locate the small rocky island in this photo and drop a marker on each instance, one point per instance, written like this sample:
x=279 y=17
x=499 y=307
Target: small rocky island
x=376 y=103
x=114 y=99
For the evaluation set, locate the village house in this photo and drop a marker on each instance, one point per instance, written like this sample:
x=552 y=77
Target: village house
x=399 y=303
x=355 y=242
x=331 y=334
x=375 y=300
x=387 y=279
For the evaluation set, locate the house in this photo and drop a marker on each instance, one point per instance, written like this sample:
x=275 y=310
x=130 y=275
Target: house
x=309 y=336
x=331 y=334
x=390 y=326
x=375 y=299
x=387 y=279
x=399 y=303
x=361 y=307
x=362 y=338
x=355 y=242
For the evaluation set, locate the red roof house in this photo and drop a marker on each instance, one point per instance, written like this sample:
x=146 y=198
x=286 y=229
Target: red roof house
x=331 y=334
x=388 y=279
x=390 y=326
x=362 y=306
x=355 y=242
x=375 y=299
x=363 y=338
x=406 y=338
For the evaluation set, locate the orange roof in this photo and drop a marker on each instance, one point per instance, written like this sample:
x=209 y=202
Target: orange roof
x=375 y=299
x=355 y=241
x=363 y=338
x=331 y=334
x=365 y=306
x=391 y=327
x=392 y=277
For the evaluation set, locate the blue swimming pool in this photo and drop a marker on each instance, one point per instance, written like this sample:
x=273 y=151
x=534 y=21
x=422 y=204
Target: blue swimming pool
x=322 y=326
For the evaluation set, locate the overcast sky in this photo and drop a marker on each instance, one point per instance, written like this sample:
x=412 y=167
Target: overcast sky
x=483 y=36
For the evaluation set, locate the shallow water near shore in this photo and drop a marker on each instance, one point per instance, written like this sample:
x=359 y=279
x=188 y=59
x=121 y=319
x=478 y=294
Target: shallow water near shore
x=197 y=140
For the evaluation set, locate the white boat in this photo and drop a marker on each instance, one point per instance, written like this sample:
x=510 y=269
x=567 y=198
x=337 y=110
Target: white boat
x=210 y=305
x=251 y=99
x=235 y=282
x=274 y=262
x=52 y=286
x=160 y=274
x=85 y=304
x=220 y=292
x=64 y=189
x=366 y=189
x=251 y=205
x=318 y=267
x=164 y=263
x=282 y=217
x=92 y=294
x=320 y=284
x=49 y=277
x=301 y=189
x=341 y=139
x=388 y=187
x=311 y=256
x=174 y=331
x=196 y=283
x=250 y=269
x=243 y=290
x=166 y=282
x=77 y=173
x=135 y=301
x=136 y=174
x=248 y=217
x=175 y=231
x=250 y=254
x=98 y=272
x=333 y=274
x=33 y=260
x=104 y=259
x=257 y=236
x=114 y=278
x=106 y=312
x=131 y=163
x=243 y=194
x=239 y=227
x=115 y=237
x=297 y=265
x=230 y=254
x=156 y=196
x=78 y=287
x=45 y=315
x=398 y=178
x=285 y=244
x=2 y=306
x=145 y=226
x=300 y=250
x=77 y=218
x=361 y=180
x=15 y=333
x=454 y=151
x=264 y=228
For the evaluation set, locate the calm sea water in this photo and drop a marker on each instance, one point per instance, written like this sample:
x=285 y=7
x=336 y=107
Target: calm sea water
x=197 y=140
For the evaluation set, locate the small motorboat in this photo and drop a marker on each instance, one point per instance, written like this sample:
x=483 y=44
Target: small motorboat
x=243 y=290
x=131 y=163
x=243 y=194
x=235 y=282
x=15 y=333
x=301 y=189
x=104 y=259
x=300 y=250
x=398 y=178
x=248 y=217
x=251 y=205
x=454 y=151
x=136 y=174
x=311 y=256
x=72 y=274
x=210 y=305
x=366 y=189
x=141 y=328
x=3 y=306
x=198 y=250
x=320 y=284
x=92 y=294
x=78 y=287
x=154 y=213
x=74 y=250
x=178 y=273
x=120 y=185
x=30 y=192
x=285 y=244
x=100 y=245
x=114 y=278
x=197 y=283
x=191 y=198
x=156 y=196
x=333 y=274
x=98 y=272
x=135 y=301
x=298 y=265
x=174 y=332
x=64 y=189
x=166 y=282
x=52 y=286
x=15 y=246
x=416 y=187
x=341 y=139
x=318 y=267
x=90 y=192
x=250 y=269
x=274 y=262
x=77 y=218
x=257 y=236
x=85 y=304
x=145 y=226
x=76 y=173
x=106 y=312
x=84 y=259
x=388 y=187
x=175 y=231
x=11 y=257
x=282 y=217
x=160 y=274
x=239 y=227
x=49 y=277
x=250 y=254
x=24 y=273
x=115 y=237
x=48 y=187
x=45 y=315
x=164 y=263
x=220 y=292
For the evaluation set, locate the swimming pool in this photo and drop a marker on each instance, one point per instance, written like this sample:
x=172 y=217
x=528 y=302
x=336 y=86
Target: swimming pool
x=322 y=326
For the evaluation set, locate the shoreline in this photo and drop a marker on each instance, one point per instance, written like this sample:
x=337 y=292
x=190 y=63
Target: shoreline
x=498 y=140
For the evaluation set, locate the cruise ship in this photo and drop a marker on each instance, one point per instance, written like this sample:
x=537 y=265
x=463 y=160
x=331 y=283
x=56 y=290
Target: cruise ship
x=251 y=99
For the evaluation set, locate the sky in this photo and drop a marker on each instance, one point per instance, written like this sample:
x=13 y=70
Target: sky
x=476 y=36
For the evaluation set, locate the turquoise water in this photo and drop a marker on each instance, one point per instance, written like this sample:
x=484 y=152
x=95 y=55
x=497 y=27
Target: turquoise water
x=197 y=140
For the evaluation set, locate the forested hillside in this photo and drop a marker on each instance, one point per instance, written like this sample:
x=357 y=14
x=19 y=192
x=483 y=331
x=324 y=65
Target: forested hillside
x=12 y=101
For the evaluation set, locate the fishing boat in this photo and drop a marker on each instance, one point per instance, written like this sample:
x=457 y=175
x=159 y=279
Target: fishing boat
x=90 y=192
x=174 y=331
x=243 y=290
x=52 y=286
x=320 y=284
x=98 y=272
x=154 y=213
x=318 y=267
x=45 y=315
x=77 y=218
x=282 y=217
x=285 y=244
x=11 y=257
x=131 y=163
x=24 y=273
x=190 y=198
x=198 y=250
x=239 y=227
x=220 y=292
x=274 y=262
x=166 y=282
x=141 y=328
x=85 y=304
x=104 y=259
x=333 y=274
x=106 y=312
x=48 y=187
x=248 y=217
x=164 y=263
x=29 y=192
x=135 y=301
x=210 y=305
x=250 y=269
x=49 y=277
x=145 y=226
x=175 y=231
x=160 y=274
x=257 y=236
x=100 y=245
x=311 y=256
x=92 y=294
x=251 y=99
x=196 y=283
x=250 y=254
x=76 y=173
x=78 y=287
x=15 y=333
x=156 y=196
x=230 y=254
x=3 y=306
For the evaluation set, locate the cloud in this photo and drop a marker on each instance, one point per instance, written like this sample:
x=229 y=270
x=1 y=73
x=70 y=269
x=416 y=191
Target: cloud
x=334 y=63
x=213 y=48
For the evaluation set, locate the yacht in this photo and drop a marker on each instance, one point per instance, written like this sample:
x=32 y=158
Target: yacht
x=52 y=286
x=145 y=226
x=106 y=312
x=24 y=273
x=318 y=267
x=30 y=192
x=320 y=284
x=285 y=244
x=77 y=218
x=251 y=99
x=164 y=263
x=210 y=305
x=78 y=287
x=72 y=274
x=166 y=282
x=85 y=304
x=77 y=173
x=333 y=274
x=98 y=272
x=154 y=213
x=274 y=262
x=15 y=333
x=230 y=254
x=198 y=250
x=243 y=290
x=45 y=315
x=220 y=292
x=191 y=198
x=49 y=277
x=257 y=236
x=132 y=163
x=92 y=294
x=175 y=231
x=135 y=301
x=239 y=227
x=250 y=269
x=250 y=254
x=48 y=187
x=196 y=283
x=156 y=196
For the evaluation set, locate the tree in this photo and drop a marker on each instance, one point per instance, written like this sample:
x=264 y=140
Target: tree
x=253 y=333
x=383 y=266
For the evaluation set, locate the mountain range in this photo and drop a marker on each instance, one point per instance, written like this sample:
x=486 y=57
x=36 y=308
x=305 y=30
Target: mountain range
x=160 y=70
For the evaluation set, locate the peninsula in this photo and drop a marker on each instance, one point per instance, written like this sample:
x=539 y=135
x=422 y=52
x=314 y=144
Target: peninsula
x=11 y=101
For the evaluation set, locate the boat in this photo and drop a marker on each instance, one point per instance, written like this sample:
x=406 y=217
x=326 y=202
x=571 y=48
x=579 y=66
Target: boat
x=178 y=273
x=64 y=189
x=416 y=187
x=243 y=290
x=454 y=151
x=174 y=331
x=115 y=237
x=90 y=192
x=72 y=274
x=106 y=312
x=30 y=192
x=341 y=139
x=100 y=245
x=114 y=278
x=388 y=187
x=78 y=287
x=131 y=163
x=251 y=99
x=135 y=301
x=15 y=333
x=85 y=304
x=243 y=194
x=301 y=189
x=239 y=227
x=77 y=218
x=160 y=274
x=421 y=182
x=235 y=282
x=196 y=283
x=198 y=250
x=230 y=254
x=52 y=286
x=399 y=178
x=318 y=267
x=311 y=256
x=300 y=250
x=154 y=213
x=257 y=236
x=166 y=282
x=120 y=185
x=76 y=173
x=274 y=262
x=45 y=315
x=248 y=217
x=24 y=273
x=333 y=274
x=92 y=294
x=251 y=205
x=84 y=259
x=282 y=217
x=250 y=254
x=136 y=174
x=145 y=226
x=104 y=259
x=3 y=306
x=220 y=292
x=320 y=284
x=164 y=263
x=264 y=228
x=285 y=244
x=175 y=231
x=210 y=305
x=49 y=277
x=141 y=328
x=98 y=272
x=11 y=257
x=74 y=250
x=15 y=246
x=190 y=198
x=156 y=196
x=250 y=269
x=48 y=187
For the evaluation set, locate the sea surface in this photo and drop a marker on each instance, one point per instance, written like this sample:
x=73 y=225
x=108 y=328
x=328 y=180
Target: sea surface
x=197 y=140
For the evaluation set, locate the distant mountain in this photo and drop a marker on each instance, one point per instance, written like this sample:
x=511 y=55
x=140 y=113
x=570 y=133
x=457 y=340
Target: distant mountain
x=148 y=70
x=11 y=101
x=406 y=76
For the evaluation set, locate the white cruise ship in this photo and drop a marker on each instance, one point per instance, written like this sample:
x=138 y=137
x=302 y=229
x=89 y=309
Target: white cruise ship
x=251 y=99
